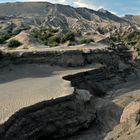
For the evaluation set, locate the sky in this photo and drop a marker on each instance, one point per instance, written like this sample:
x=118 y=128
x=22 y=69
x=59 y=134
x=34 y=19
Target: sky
x=118 y=7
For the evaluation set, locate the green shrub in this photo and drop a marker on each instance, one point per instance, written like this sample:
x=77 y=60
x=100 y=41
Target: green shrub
x=138 y=49
x=103 y=30
x=132 y=38
x=52 y=30
x=113 y=39
x=14 y=43
x=54 y=41
x=15 y=32
x=77 y=32
x=86 y=40
x=54 y=44
x=42 y=34
x=4 y=37
x=69 y=36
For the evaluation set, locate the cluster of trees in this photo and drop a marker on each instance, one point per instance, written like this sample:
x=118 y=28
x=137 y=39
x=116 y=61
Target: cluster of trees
x=10 y=32
x=48 y=36
x=7 y=35
x=12 y=43
x=52 y=37
x=132 y=38
x=129 y=39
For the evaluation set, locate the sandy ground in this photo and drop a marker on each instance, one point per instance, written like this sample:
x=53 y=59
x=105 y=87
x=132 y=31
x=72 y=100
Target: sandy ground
x=24 y=85
x=36 y=47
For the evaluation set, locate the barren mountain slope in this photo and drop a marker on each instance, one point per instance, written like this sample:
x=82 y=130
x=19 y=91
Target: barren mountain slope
x=62 y=16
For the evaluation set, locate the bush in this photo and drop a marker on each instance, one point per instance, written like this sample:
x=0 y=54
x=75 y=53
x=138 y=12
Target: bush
x=53 y=41
x=132 y=38
x=52 y=30
x=15 y=32
x=42 y=34
x=14 y=43
x=77 y=32
x=138 y=50
x=4 y=37
x=69 y=36
x=103 y=30
x=86 y=40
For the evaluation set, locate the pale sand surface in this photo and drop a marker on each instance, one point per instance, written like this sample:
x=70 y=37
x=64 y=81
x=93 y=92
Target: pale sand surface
x=39 y=48
x=27 y=84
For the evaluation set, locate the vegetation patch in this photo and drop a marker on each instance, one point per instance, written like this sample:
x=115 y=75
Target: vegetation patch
x=103 y=30
x=132 y=38
x=53 y=37
x=69 y=36
x=86 y=40
x=14 y=43
x=4 y=37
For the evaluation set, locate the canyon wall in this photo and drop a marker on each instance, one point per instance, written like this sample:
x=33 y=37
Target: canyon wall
x=63 y=117
x=68 y=58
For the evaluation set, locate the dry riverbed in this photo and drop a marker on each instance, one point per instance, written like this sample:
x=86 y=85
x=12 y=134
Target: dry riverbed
x=24 y=85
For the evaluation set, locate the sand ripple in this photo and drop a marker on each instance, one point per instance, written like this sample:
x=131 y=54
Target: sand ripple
x=24 y=85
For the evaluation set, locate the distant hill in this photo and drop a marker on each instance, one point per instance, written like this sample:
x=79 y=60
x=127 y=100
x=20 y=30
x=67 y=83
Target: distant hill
x=84 y=24
x=133 y=19
x=56 y=15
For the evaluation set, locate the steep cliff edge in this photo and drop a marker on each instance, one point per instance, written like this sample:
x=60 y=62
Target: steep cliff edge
x=70 y=58
x=50 y=119
x=67 y=117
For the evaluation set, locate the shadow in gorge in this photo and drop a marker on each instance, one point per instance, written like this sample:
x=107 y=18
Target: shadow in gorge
x=20 y=71
x=107 y=113
x=62 y=119
x=107 y=117
x=89 y=80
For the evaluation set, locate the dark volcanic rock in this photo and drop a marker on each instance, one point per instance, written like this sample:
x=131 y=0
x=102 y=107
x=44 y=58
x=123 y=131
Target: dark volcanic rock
x=49 y=120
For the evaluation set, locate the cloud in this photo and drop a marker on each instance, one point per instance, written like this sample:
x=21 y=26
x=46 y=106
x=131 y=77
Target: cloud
x=75 y=3
x=83 y=3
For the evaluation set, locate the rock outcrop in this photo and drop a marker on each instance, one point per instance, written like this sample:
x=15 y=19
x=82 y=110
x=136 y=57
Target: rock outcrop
x=65 y=116
x=129 y=127
x=70 y=58
x=49 y=119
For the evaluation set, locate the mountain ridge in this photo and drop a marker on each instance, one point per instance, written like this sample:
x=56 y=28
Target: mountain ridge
x=57 y=15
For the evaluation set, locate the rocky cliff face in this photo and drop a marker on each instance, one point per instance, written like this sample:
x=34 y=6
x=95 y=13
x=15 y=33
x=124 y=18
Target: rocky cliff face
x=70 y=58
x=49 y=120
x=63 y=117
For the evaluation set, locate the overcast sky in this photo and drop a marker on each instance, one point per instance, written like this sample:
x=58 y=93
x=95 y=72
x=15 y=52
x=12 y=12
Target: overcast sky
x=119 y=7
